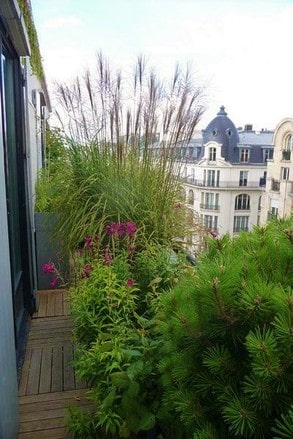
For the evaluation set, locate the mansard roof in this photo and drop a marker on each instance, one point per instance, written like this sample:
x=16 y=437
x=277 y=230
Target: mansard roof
x=223 y=131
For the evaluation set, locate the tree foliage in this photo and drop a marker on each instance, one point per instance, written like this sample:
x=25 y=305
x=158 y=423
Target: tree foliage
x=227 y=361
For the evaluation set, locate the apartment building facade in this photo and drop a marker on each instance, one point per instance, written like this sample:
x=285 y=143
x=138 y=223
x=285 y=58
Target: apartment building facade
x=226 y=176
x=277 y=201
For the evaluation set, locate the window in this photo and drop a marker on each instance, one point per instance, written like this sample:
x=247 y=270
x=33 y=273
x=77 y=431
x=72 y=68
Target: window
x=242 y=202
x=211 y=222
x=289 y=142
x=212 y=154
x=267 y=154
x=243 y=177
x=288 y=147
x=284 y=173
x=190 y=197
x=274 y=212
x=240 y=223
x=244 y=155
x=210 y=200
x=211 y=178
x=259 y=203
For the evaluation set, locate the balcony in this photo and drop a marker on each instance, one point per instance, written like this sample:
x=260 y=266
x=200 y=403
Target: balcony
x=225 y=184
x=209 y=206
x=275 y=185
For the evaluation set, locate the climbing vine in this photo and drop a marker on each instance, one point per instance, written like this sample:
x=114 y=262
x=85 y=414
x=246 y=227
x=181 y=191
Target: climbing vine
x=35 y=58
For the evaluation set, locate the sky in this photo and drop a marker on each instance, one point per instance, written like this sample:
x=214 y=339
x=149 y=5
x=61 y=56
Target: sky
x=241 y=51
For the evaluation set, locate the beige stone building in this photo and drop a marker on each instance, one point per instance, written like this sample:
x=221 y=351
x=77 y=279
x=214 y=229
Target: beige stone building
x=277 y=201
x=225 y=175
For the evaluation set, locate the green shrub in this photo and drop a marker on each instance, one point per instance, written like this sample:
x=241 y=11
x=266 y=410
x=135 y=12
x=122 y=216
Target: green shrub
x=227 y=360
x=113 y=309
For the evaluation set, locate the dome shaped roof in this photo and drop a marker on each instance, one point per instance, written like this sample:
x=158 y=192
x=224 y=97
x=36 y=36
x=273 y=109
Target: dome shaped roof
x=222 y=130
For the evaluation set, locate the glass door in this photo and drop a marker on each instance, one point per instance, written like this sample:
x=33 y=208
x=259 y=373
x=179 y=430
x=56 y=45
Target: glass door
x=11 y=103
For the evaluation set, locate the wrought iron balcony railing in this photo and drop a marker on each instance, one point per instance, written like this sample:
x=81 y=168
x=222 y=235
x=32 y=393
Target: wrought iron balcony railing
x=209 y=206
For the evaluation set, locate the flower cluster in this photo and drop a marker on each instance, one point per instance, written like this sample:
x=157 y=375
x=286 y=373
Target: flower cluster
x=88 y=251
x=49 y=268
x=128 y=228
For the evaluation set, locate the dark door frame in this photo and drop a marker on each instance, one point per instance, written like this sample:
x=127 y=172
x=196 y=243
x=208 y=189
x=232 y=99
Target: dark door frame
x=20 y=161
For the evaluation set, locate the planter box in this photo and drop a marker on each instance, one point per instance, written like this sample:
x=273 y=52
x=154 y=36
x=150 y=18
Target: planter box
x=48 y=250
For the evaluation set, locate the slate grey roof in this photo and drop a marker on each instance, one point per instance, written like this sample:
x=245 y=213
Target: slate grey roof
x=222 y=130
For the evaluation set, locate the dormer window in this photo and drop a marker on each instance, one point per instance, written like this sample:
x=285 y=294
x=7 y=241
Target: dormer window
x=212 y=154
x=244 y=155
x=229 y=132
x=215 y=132
x=268 y=154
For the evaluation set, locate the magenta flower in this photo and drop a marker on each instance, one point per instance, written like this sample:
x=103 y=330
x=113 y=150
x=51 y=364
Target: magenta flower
x=111 y=229
x=54 y=281
x=87 y=270
x=121 y=228
x=88 y=241
x=130 y=228
x=129 y=283
x=49 y=267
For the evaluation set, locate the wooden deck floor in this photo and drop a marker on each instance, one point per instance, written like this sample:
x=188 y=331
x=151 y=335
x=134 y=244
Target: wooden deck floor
x=48 y=383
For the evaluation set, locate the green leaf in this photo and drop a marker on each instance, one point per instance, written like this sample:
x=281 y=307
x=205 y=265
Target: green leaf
x=147 y=422
x=120 y=379
x=135 y=368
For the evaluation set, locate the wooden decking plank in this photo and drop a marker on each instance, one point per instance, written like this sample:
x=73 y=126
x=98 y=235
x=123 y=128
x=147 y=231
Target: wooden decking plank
x=34 y=372
x=57 y=369
x=25 y=372
x=46 y=369
x=51 y=304
x=55 y=404
x=68 y=372
x=40 y=425
x=54 y=396
x=52 y=332
x=66 y=303
x=41 y=320
x=58 y=311
x=42 y=311
x=50 y=342
x=52 y=433
x=44 y=414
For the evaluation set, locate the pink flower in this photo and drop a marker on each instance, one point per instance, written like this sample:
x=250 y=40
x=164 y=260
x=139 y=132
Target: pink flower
x=177 y=205
x=88 y=241
x=49 y=267
x=129 y=283
x=54 y=281
x=111 y=229
x=130 y=228
x=87 y=270
x=121 y=229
